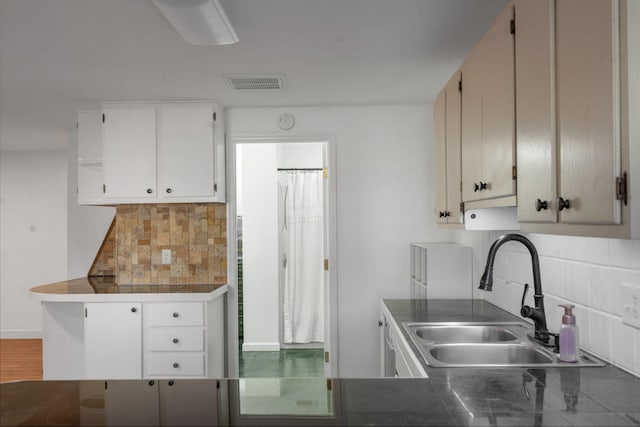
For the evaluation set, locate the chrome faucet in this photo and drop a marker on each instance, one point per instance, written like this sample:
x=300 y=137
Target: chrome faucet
x=534 y=313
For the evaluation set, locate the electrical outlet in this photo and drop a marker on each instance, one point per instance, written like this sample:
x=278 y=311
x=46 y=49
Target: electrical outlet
x=631 y=310
x=166 y=256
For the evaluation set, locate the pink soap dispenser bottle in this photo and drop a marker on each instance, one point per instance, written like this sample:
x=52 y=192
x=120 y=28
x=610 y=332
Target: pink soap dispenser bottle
x=568 y=335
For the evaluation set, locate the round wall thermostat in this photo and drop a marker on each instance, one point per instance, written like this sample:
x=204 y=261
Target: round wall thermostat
x=286 y=121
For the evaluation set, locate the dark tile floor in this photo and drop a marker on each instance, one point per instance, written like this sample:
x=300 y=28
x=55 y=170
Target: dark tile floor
x=282 y=364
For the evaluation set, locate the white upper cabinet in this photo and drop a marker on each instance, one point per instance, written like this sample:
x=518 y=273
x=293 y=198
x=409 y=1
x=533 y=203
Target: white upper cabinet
x=446 y=116
x=90 y=178
x=575 y=72
x=185 y=151
x=488 y=116
x=129 y=149
x=535 y=104
x=161 y=152
x=588 y=109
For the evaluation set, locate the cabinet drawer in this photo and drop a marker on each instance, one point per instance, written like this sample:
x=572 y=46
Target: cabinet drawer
x=175 y=314
x=176 y=339
x=175 y=364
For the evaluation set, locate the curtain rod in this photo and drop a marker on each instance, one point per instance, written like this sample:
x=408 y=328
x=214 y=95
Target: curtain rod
x=299 y=169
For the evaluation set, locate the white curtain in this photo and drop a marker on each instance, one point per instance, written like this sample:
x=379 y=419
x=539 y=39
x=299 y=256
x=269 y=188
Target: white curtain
x=302 y=245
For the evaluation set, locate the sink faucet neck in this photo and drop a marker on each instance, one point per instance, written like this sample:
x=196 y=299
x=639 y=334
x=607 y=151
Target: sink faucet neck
x=536 y=314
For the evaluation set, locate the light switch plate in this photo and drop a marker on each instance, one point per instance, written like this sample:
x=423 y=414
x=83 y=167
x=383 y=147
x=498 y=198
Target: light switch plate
x=631 y=309
x=166 y=256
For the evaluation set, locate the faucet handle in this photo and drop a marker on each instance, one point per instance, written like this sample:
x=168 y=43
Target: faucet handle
x=525 y=310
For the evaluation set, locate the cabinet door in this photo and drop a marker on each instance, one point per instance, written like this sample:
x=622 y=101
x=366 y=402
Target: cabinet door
x=535 y=105
x=472 y=124
x=440 y=157
x=131 y=403
x=587 y=33
x=113 y=340
x=129 y=152
x=453 y=124
x=186 y=151
x=498 y=108
x=90 y=178
x=189 y=403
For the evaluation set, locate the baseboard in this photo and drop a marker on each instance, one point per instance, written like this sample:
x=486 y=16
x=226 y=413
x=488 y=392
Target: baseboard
x=261 y=346
x=20 y=333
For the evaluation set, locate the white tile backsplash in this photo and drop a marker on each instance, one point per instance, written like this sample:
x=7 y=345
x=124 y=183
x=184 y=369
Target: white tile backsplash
x=584 y=271
x=623 y=344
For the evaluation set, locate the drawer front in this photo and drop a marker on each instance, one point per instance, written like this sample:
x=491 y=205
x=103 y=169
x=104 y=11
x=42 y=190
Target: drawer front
x=175 y=364
x=175 y=314
x=176 y=339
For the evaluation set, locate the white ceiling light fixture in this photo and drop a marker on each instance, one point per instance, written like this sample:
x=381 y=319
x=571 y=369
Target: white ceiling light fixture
x=199 y=22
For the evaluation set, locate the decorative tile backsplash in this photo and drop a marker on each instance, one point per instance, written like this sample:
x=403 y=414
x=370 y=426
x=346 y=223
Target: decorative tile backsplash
x=194 y=232
x=104 y=263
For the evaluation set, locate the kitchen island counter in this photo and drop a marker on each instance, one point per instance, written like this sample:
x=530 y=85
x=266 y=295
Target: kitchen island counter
x=94 y=328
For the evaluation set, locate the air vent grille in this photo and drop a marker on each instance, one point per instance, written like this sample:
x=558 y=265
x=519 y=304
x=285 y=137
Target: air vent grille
x=255 y=81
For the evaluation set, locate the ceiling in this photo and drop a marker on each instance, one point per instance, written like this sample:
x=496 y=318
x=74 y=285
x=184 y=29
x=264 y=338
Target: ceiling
x=60 y=56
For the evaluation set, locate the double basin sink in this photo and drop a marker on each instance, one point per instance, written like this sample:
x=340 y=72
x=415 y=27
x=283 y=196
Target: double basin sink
x=497 y=344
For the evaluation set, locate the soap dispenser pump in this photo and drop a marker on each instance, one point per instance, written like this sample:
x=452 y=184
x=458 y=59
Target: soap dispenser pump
x=568 y=335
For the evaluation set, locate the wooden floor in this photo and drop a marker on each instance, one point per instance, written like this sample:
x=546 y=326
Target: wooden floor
x=20 y=360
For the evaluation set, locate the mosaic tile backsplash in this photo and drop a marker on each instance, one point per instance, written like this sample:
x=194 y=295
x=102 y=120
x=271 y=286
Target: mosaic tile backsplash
x=105 y=262
x=194 y=232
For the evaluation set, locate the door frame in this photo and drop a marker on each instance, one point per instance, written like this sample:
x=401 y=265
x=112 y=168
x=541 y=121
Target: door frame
x=330 y=247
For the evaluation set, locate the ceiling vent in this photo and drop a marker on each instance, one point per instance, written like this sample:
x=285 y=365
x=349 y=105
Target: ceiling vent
x=255 y=81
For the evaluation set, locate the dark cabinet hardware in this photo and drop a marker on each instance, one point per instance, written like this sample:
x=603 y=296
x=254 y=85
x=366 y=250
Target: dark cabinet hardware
x=149 y=191
x=133 y=309
x=563 y=204
x=151 y=383
x=176 y=340
x=169 y=191
x=176 y=314
x=176 y=365
x=541 y=204
x=479 y=186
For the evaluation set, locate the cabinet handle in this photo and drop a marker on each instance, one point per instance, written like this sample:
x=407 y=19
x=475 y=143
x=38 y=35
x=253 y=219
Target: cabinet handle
x=563 y=204
x=442 y=214
x=447 y=214
x=169 y=190
x=133 y=309
x=175 y=340
x=176 y=365
x=176 y=314
x=540 y=205
x=149 y=191
x=479 y=186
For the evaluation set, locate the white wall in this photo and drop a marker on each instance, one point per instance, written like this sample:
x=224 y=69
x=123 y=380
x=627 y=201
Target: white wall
x=260 y=246
x=385 y=200
x=584 y=271
x=33 y=235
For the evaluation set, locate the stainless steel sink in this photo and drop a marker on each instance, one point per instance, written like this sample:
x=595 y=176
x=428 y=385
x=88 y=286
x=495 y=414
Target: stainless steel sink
x=490 y=344
x=462 y=333
x=489 y=354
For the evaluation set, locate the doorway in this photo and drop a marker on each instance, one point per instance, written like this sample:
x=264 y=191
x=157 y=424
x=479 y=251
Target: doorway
x=282 y=234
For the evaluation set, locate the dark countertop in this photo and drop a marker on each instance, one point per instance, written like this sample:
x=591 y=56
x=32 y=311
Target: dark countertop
x=594 y=396
x=107 y=285
x=105 y=289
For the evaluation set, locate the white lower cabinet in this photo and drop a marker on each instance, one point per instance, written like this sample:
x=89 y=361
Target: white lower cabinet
x=161 y=403
x=174 y=340
x=113 y=340
x=396 y=351
x=133 y=340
